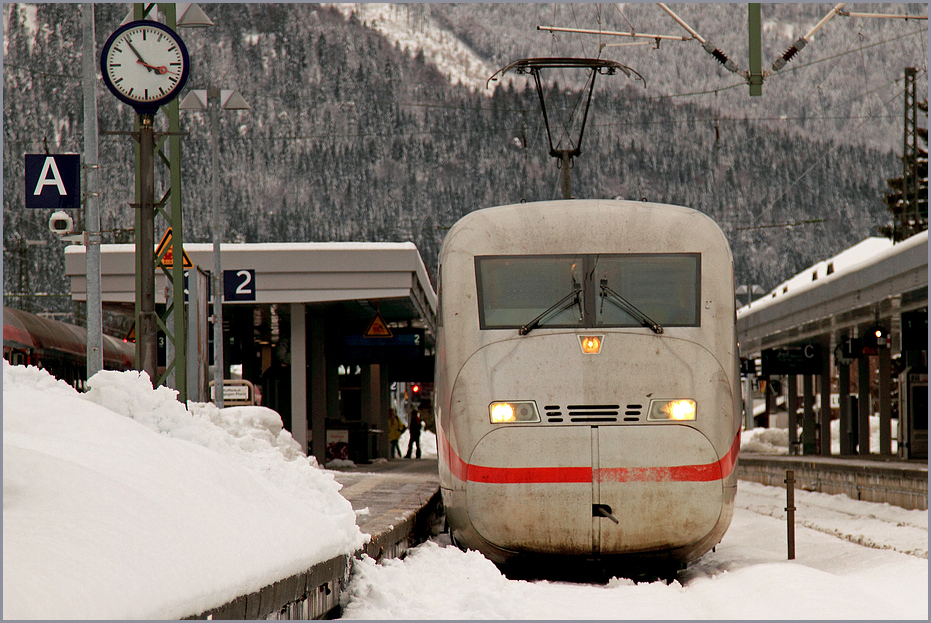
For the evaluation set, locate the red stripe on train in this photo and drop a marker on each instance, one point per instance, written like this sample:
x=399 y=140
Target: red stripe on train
x=547 y=475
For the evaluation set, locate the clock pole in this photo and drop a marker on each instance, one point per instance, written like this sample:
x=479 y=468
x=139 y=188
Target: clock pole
x=147 y=74
x=147 y=330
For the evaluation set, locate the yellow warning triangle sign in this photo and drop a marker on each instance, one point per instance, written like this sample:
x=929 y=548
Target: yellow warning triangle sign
x=378 y=327
x=165 y=251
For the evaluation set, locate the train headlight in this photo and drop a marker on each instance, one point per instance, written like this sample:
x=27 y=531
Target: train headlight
x=513 y=411
x=672 y=410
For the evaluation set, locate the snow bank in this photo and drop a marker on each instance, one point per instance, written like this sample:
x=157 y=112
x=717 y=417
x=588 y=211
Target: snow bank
x=120 y=503
x=776 y=440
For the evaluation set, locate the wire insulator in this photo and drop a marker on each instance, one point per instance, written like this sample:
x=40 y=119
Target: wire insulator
x=789 y=54
x=719 y=56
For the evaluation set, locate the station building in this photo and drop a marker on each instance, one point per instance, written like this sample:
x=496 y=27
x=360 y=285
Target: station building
x=845 y=339
x=322 y=330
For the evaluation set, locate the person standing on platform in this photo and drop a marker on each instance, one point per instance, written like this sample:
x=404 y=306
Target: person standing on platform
x=414 y=426
x=395 y=428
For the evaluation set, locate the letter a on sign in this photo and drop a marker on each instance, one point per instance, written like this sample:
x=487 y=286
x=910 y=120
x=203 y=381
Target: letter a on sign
x=378 y=327
x=53 y=181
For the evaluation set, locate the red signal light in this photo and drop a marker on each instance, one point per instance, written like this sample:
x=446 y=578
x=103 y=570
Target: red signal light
x=415 y=388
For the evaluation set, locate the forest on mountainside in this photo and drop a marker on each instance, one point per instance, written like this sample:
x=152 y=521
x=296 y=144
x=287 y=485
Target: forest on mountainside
x=351 y=138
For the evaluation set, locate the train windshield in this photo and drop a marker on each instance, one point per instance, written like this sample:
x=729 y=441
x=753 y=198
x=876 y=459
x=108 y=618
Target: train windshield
x=515 y=291
x=661 y=288
x=653 y=290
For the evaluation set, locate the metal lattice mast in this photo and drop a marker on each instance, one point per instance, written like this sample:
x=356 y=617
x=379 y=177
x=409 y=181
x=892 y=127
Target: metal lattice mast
x=911 y=185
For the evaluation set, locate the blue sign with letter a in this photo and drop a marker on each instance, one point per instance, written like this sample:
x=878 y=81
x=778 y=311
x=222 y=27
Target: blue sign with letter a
x=53 y=181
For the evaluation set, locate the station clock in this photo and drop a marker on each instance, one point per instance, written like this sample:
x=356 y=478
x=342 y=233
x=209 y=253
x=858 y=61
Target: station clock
x=145 y=64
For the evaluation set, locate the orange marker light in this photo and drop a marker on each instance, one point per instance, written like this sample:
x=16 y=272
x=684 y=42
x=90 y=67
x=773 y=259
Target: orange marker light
x=591 y=344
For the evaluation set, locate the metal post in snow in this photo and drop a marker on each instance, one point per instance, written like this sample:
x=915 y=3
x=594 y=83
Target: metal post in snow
x=91 y=204
x=213 y=106
x=790 y=511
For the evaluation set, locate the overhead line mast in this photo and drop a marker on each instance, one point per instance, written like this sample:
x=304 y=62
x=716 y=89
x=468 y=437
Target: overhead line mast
x=755 y=75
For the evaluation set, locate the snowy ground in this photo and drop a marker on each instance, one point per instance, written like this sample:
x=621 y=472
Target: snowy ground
x=121 y=504
x=854 y=560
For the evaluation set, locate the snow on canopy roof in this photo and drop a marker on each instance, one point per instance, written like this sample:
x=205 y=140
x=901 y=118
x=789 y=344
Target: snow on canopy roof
x=273 y=246
x=865 y=253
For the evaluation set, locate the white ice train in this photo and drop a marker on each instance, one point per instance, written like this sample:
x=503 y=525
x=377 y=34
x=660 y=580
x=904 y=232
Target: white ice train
x=586 y=389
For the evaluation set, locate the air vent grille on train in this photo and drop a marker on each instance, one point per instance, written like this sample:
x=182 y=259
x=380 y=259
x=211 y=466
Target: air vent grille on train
x=592 y=414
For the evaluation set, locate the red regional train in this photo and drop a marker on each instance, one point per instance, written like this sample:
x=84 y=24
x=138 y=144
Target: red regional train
x=58 y=347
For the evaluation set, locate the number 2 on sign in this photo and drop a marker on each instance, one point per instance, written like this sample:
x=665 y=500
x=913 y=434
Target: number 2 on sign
x=242 y=289
x=239 y=285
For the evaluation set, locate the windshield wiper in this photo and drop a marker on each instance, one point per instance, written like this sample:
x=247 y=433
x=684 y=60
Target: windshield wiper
x=560 y=305
x=628 y=307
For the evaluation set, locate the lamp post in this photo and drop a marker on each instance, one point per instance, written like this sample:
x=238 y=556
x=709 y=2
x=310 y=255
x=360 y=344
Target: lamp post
x=213 y=99
x=749 y=290
x=194 y=17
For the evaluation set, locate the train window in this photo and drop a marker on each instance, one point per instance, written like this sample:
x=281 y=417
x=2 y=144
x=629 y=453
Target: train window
x=663 y=287
x=515 y=290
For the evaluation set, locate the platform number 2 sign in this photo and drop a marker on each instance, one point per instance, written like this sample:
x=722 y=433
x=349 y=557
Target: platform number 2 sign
x=239 y=285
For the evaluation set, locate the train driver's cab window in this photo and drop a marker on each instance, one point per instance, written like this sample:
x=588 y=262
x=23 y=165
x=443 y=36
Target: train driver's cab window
x=516 y=290
x=662 y=287
x=568 y=291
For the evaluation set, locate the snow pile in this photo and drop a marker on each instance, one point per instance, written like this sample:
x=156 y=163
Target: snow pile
x=121 y=504
x=253 y=429
x=765 y=440
x=776 y=440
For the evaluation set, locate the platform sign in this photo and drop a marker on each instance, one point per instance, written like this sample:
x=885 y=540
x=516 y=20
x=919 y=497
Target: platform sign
x=794 y=360
x=403 y=344
x=239 y=285
x=53 y=181
x=848 y=351
x=236 y=393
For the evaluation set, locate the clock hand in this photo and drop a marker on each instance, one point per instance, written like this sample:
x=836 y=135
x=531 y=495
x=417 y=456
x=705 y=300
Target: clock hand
x=141 y=61
x=159 y=70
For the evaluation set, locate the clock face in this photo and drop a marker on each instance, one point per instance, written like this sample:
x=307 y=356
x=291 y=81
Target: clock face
x=144 y=64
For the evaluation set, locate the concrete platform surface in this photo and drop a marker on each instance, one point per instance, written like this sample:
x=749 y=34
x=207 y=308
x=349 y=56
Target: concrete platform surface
x=871 y=478
x=388 y=493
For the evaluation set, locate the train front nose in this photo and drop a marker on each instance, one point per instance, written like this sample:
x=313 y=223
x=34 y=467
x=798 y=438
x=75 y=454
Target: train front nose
x=539 y=490
x=546 y=487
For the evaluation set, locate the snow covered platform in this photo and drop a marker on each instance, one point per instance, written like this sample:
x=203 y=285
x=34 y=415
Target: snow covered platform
x=396 y=502
x=871 y=478
x=393 y=500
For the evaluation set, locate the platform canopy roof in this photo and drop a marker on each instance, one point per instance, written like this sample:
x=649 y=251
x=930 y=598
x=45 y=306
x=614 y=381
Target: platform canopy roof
x=363 y=276
x=870 y=281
